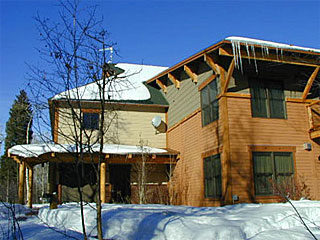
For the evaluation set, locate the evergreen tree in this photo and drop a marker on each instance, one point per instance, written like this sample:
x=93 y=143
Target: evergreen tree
x=19 y=123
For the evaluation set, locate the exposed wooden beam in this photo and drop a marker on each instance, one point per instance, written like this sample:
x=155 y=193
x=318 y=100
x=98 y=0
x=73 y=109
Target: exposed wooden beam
x=154 y=156
x=103 y=182
x=190 y=73
x=209 y=60
x=174 y=80
x=30 y=187
x=129 y=155
x=309 y=84
x=229 y=75
x=206 y=82
x=162 y=86
x=227 y=51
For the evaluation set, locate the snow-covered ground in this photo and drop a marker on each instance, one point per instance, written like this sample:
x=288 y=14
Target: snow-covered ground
x=240 y=221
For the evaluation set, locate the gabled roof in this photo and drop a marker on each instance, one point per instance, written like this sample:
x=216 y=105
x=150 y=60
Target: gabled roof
x=127 y=87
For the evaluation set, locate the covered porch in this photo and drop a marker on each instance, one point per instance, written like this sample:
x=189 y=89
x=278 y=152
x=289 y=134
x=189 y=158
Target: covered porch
x=116 y=164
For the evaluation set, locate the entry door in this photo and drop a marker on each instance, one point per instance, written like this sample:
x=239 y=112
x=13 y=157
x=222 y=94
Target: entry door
x=120 y=180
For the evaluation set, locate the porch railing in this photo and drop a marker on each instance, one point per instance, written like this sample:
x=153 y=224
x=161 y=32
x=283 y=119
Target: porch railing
x=314 y=116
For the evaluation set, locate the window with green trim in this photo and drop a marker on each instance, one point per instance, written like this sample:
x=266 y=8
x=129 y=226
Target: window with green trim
x=267 y=99
x=209 y=103
x=269 y=168
x=212 y=176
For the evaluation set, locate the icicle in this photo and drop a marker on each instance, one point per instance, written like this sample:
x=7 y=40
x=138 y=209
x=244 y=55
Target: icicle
x=248 y=52
x=234 y=54
x=239 y=55
x=277 y=52
x=281 y=54
x=254 y=57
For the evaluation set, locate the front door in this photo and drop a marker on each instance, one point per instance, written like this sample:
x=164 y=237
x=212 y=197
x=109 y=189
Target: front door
x=120 y=180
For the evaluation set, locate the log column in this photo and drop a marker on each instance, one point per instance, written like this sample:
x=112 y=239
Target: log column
x=103 y=182
x=21 y=182
x=30 y=187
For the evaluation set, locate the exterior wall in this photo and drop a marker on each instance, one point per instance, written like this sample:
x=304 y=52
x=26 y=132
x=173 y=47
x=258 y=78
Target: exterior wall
x=127 y=127
x=185 y=100
x=291 y=132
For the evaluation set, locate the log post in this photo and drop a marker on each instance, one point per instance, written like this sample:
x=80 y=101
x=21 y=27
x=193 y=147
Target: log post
x=103 y=182
x=21 y=182
x=30 y=187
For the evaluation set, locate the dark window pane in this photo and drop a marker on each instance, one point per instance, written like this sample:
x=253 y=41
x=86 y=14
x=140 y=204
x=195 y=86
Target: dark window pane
x=283 y=167
x=91 y=121
x=263 y=171
x=209 y=103
x=212 y=176
x=276 y=100
x=258 y=99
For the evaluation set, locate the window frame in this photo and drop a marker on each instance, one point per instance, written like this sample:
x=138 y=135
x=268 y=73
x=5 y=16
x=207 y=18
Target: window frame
x=91 y=126
x=275 y=172
x=266 y=89
x=209 y=108
x=217 y=180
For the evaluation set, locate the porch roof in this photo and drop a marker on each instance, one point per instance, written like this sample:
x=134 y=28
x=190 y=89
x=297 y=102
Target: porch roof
x=116 y=153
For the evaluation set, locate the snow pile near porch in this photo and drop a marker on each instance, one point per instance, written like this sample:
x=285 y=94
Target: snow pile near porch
x=127 y=86
x=35 y=150
x=241 y=221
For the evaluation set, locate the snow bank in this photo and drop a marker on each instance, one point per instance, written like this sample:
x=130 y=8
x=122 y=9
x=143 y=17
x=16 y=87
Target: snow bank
x=35 y=150
x=241 y=221
x=127 y=86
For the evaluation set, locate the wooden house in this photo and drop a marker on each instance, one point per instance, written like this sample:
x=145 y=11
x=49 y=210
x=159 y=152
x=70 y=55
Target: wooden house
x=241 y=116
x=244 y=115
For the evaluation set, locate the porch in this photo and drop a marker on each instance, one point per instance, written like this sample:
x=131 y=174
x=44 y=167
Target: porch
x=116 y=164
x=314 y=121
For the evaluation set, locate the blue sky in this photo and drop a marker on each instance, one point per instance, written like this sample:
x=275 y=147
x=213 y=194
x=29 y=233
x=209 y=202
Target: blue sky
x=154 y=32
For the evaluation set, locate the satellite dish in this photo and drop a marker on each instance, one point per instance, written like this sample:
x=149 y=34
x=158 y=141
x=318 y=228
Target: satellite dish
x=156 y=121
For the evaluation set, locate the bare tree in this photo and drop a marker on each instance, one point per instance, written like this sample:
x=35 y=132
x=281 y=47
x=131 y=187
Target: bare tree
x=75 y=62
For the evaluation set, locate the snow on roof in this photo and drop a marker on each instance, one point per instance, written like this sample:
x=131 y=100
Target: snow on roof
x=269 y=44
x=35 y=150
x=128 y=86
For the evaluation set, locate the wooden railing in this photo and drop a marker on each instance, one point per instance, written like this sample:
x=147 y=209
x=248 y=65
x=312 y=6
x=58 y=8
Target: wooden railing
x=314 y=116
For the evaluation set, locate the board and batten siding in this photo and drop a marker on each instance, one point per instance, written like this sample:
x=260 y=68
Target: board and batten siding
x=128 y=127
x=291 y=132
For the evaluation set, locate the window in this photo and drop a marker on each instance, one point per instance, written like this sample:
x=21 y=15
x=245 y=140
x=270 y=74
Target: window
x=209 y=103
x=271 y=167
x=267 y=99
x=90 y=121
x=212 y=176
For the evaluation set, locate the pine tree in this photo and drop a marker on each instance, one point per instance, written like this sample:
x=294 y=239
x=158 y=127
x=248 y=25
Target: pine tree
x=19 y=123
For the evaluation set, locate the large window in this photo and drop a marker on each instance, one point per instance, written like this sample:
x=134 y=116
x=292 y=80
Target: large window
x=267 y=99
x=91 y=121
x=271 y=168
x=212 y=176
x=209 y=103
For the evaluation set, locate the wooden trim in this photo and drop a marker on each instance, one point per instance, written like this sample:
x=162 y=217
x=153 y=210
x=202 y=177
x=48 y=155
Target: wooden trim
x=167 y=137
x=299 y=100
x=56 y=125
x=234 y=95
x=162 y=86
x=309 y=84
x=90 y=110
x=206 y=82
x=227 y=51
x=313 y=103
x=209 y=60
x=188 y=60
x=273 y=148
x=190 y=73
x=184 y=119
x=229 y=75
x=212 y=152
x=174 y=80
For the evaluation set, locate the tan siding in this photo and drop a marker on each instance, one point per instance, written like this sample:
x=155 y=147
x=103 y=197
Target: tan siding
x=245 y=130
x=128 y=127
